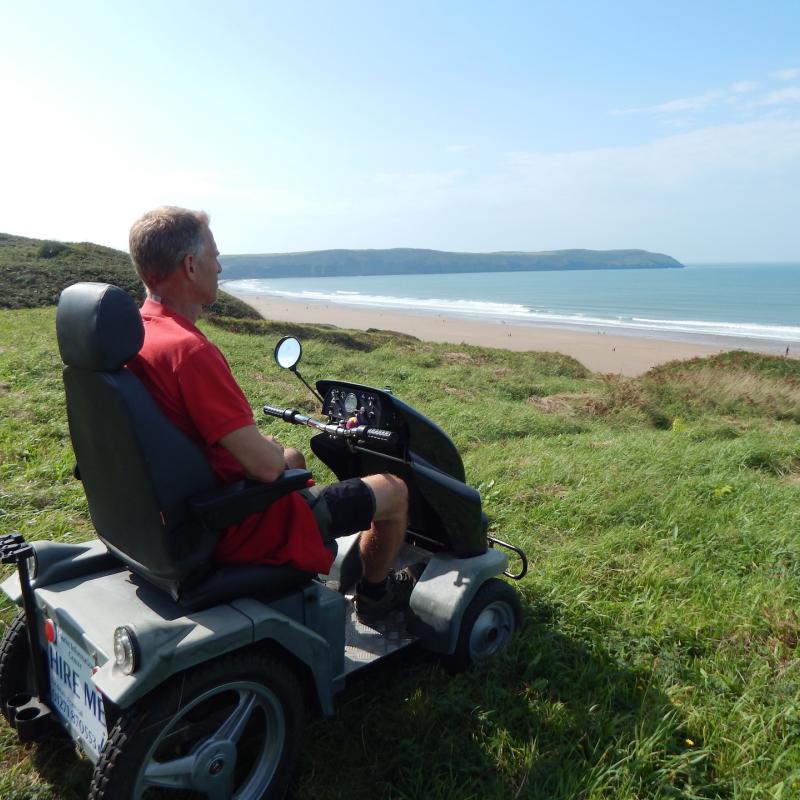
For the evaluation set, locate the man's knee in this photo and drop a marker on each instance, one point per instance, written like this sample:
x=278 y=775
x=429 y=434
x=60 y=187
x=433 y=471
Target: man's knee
x=294 y=458
x=391 y=495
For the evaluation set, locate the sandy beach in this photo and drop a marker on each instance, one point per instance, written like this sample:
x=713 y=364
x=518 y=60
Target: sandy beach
x=599 y=350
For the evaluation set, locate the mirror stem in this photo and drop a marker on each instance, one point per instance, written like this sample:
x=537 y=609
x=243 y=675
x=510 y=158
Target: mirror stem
x=310 y=389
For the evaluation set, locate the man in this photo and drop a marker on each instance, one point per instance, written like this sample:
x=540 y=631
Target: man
x=175 y=255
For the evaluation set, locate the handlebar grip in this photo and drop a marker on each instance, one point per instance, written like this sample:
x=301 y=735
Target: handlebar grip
x=379 y=435
x=286 y=414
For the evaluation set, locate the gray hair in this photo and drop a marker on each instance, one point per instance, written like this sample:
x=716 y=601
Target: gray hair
x=160 y=239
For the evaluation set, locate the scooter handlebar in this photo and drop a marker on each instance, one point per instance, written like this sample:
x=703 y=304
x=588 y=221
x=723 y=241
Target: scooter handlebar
x=359 y=433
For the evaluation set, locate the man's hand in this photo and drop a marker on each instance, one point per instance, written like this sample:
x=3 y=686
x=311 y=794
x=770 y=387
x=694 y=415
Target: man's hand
x=261 y=456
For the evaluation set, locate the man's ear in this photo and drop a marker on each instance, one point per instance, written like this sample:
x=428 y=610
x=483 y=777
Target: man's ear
x=188 y=265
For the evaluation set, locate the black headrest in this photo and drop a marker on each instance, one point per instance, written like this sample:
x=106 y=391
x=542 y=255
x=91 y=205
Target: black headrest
x=98 y=327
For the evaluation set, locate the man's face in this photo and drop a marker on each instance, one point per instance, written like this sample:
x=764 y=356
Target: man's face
x=207 y=268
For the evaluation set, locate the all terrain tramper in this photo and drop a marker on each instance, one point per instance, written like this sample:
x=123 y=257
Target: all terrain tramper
x=175 y=674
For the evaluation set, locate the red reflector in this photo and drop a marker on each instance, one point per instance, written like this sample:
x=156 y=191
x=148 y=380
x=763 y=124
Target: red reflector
x=310 y=482
x=50 y=631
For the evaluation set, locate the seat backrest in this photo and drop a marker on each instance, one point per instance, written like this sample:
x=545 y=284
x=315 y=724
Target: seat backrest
x=137 y=468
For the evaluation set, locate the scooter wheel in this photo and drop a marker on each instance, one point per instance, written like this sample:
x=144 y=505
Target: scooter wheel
x=229 y=728
x=16 y=670
x=487 y=627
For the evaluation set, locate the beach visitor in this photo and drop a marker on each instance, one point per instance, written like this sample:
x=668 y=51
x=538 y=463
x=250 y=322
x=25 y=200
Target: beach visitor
x=176 y=257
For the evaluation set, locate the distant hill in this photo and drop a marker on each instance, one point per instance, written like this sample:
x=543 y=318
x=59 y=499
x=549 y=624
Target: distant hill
x=33 y=273
x=408 y=261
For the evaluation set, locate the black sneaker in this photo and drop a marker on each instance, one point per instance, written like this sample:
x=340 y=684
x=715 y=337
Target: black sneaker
x=399 y=586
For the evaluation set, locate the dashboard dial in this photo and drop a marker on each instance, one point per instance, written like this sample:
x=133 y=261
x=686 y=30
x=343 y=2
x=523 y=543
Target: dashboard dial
x=350 y=403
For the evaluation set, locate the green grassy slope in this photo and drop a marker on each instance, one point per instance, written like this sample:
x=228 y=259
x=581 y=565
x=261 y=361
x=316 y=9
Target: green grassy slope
x=658 y=657
x=33 y=273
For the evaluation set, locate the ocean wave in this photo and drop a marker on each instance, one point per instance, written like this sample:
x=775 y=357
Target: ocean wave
x=350 y=298
x=521 y=314
x=749 y=330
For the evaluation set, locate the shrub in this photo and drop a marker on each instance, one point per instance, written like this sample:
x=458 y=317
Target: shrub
x=50 y=249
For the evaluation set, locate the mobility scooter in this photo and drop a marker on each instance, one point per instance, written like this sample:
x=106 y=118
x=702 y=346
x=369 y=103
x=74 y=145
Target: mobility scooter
x=180 y=677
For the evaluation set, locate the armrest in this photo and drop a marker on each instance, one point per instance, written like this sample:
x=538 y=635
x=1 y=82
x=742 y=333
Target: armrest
x=219 y=508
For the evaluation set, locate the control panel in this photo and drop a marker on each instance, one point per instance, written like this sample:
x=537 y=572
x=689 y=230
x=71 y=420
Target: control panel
x=343 y=403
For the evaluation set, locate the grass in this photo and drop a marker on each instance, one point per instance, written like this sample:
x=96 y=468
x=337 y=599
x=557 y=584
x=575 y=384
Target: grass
x=658 y=657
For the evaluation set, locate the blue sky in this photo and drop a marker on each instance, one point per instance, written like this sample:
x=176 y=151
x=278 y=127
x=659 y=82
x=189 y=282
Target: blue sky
x=673 y=127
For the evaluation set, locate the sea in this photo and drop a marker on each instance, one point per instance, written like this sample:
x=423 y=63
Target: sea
x=741 y=302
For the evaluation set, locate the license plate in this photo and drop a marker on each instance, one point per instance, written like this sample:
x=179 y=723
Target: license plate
x=74 y=697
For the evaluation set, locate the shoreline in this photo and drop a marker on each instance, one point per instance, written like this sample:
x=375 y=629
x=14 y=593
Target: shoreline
x=599 y=351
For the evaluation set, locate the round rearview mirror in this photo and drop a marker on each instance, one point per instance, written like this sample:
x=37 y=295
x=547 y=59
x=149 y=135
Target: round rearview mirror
x=288 y=352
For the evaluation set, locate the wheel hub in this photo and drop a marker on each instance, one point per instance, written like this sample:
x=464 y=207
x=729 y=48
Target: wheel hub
x=216 y=766
x=491 y=632
x=214 y=761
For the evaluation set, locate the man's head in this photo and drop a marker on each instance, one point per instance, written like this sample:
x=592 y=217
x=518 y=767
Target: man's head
x=169 y=242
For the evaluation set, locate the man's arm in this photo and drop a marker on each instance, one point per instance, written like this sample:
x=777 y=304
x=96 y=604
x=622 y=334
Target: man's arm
x=261 y=456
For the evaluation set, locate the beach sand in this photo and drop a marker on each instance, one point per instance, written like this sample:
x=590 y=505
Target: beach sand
x=598 y=350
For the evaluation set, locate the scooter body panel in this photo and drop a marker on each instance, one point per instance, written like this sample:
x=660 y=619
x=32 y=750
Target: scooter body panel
x=444 y=593
x=88 y=608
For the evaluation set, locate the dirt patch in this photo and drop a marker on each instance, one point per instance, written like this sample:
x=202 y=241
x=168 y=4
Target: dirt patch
x=458 y=358
x=393 y=334
x=554 y=403
x=785 y=630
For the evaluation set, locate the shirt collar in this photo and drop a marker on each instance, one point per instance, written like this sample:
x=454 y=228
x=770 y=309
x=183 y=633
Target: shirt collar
x=155 y=308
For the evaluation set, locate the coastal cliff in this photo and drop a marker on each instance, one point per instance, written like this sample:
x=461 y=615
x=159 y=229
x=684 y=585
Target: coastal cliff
x=410 y=261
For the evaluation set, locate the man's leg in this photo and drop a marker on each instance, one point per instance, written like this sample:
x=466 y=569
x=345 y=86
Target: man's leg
x=376 y=505
x=294 y=458
x=381 y=592
x=382 y=542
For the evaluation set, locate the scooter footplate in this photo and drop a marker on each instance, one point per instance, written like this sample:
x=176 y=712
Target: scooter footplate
x=367 y=643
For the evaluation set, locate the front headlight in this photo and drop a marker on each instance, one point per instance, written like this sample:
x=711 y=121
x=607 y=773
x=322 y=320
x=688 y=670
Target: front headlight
x=126 y=649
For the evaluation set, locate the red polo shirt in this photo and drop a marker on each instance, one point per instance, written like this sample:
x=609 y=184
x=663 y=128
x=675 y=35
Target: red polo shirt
x=193 y=385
